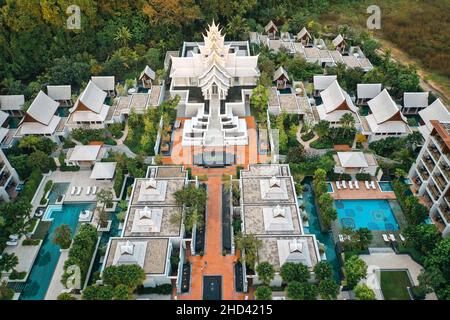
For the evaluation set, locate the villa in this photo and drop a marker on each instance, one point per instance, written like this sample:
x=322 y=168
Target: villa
x=13 y=105
x=321 y=83
x=435 y=111
x=304 y=37
x=214 y=80
x=335 y=103
x=431 y=175
x=85 y=156
x=354 y=162
x=385 y=119
x=61 y=94
x=339 y=43
x=107 y=84
x=150 y=232
x=413 y=102
x=147 y=77
x=90 y=109
x=41 y=119
x=270 y=211
x=366 y=92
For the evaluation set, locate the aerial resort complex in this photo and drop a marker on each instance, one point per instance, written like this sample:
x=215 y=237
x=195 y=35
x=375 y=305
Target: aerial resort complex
x=259 y=158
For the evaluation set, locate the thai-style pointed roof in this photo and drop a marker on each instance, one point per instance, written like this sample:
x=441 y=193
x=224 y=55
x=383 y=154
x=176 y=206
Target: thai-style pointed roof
x=384 y=108
x=304 y=32
x=338 y=40
x=280 y=72
x=270 y=25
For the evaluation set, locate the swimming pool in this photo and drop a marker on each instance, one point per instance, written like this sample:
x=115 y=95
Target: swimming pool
x=42 y=272
x=330 y=187
x=386 y=186
x=371 y=214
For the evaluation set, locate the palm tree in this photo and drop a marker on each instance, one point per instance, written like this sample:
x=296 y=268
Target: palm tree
x=348 y=122
x=322 y=128
x=237 y=28
x=123 y=36
x=105 y=197
x=8 y=262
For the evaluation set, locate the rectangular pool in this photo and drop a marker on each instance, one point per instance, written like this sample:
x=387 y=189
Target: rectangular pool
x=386 y=186
x=371 y=214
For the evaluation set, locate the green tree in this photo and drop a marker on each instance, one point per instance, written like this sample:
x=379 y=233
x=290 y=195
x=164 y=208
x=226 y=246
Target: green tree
x=323 y=270
x=105 y=198
x=123 y=36
x=193 y=200
x=66 y=296
x=348 y=122
x=6 y=293
x=328 y=289
x=8 y=261
x=263 y=293
x=260 y=98
x=301 y=291
x=249 y=244
x=363 y=292
x=363 y=238
x=130 y=276
x=322 y=128
x=98 y=293
x=294 y=272
x=266 y=272
x=355 y=269
x=121 y=292
x=422 y=237
x=63 y=236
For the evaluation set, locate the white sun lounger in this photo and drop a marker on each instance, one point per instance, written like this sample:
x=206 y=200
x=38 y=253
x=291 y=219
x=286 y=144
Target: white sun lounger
x=344 y=184
x=391 y=237
x=94 y=190
x=341 y=238
x=372 y=184
x=338 y=185
x=80 y=189
x=367 y=185
x=402 y=237
x=357 y=185
x=74 y=190
x=385 y=237
x=88 y=191
x=350 y=185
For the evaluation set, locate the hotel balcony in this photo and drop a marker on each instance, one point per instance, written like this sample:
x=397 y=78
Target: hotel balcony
x=423 y=172
x=445 y=212
x=440 y=181
x=445 y=168
x=434 y=191
x=429 y=162
x=434 y=151
x=4 y=176
x=439 y=141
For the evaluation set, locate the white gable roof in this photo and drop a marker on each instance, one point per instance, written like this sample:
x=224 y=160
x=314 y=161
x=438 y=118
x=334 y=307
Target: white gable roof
x=43 y=108
x=415 y=99
x=383 y=107
x=148 y=72
x=12 y=102
x=279 y=72
x=435 y=111
x=323 y=82
x=352 y=159
x=105 y=83
x=368 y=90
x=93 y=97
x=60 y=92
x=334 y=96
x=302 y=33
x=85 y=153
x=3 y=117
x=270 y=25
x=338 y=40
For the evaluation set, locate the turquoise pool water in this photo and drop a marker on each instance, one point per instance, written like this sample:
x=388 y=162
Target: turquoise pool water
x=47 y=259
x=329 y=187
x=57 y=190
x=385 y=186
x=371 y=214
x=314 y=228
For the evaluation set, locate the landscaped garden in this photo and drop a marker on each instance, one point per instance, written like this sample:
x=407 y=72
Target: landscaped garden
x=394 y=284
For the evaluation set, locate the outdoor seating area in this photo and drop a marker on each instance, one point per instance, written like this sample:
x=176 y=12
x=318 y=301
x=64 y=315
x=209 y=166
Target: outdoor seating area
x=359 y=190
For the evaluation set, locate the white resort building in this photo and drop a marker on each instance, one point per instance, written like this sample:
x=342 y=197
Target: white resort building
x=385 y=119
x=8 y=178
x=214 y=80
x=430 y=175
x=270 y=211
x=413 y=102
x=40 y=119
x=435 y=111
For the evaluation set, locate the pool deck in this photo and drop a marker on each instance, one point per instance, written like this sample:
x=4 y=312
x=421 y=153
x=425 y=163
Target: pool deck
x=56 y=287
x=362 y=193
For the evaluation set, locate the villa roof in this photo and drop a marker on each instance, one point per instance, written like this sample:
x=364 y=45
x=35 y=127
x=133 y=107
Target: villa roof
x=280 y=72
x=352 y=159
x=338 y=40
x=43 y=108
x=84 y=153
x=334 y=98
x=103 y=170
x=148 y=72
x=3 y=117
x=323 y=82
x=435 y=111
x=105 y=83
x=12 y=102
x=415 y=99
x=384 y=108
x=93 y=97
x=60 y=92
x=368 y=90
x=303 y=33
x=270 y=25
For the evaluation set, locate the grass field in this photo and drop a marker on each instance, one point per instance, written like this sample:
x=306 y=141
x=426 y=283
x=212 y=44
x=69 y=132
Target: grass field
x=418 y=28
x=393 y=285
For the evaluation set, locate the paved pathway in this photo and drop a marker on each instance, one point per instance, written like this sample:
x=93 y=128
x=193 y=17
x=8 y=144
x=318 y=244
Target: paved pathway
x=56 y=287
x=217 y=264
x=305 y=144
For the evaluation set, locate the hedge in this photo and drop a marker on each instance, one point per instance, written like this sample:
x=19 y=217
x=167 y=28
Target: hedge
x=31 y=185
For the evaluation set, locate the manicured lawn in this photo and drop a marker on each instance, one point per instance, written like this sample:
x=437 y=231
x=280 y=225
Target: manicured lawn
x=393 y=285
